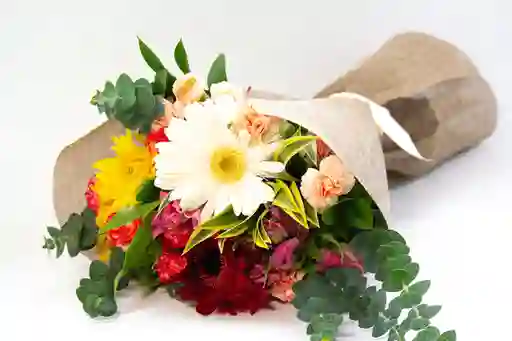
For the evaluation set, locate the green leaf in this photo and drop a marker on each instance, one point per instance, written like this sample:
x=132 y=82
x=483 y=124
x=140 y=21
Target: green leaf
x=116 y=260
x=137 y=255
x=198 y=236
x=59 y=248
x=236 y=230
x=394 y=308
x=427 y=311
x=393 y=249
x=291 y=146
x=181 y=58
x=428 y=334
x=381 y=327
x=222 y=221
x=148 y=192
x=419 y=288
x=53 y=232
x=350 y=212
x=125 y=90
x=412 y=270
x=288 y=198
x=98 y=270
x=365 y=245
x=450 y=335
x=71 y=233
x=107 y=307
x=311 y=214
x=395 y=280
x=91 y=304
x=217 y=71
x=89 y=230
x=392 y=263
x=150 y=57
x=419 y=323
x=393 y=335
x=160 y=82
x=260 y=239
x=129 y=214
x=378 y=303
x=145 y=99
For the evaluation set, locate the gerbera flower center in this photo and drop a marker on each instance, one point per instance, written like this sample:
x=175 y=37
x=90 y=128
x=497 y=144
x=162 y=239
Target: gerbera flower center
x=228 y=164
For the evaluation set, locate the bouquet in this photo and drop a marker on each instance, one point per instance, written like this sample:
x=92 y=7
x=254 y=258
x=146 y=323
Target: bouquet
x=236 y=204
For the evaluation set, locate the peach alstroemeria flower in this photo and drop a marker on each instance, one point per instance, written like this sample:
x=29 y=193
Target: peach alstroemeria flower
x=261 y=128
x=188 y=89
x=322 y=187
x=281 y=284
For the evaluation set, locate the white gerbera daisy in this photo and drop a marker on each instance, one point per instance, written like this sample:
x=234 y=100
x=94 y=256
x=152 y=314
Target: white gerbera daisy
x=206 y=163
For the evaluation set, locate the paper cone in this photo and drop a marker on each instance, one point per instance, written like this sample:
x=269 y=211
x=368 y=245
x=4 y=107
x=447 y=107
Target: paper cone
x=346 y=125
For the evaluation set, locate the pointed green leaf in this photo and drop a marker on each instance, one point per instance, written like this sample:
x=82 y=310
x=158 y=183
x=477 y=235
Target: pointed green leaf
x=160 y=82
x=223 y=221
x=53 y=231
x=419 y=288
x=234 y=231
x=291 y=146
x=181 y=58
x=150 y=57
x=258 y=239
x=311 y=214
x=217 y=71
x=137 y=255
x=198 y=236
x=129 y=214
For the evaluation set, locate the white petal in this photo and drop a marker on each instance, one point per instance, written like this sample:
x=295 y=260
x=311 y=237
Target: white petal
x=253 y=192
x=222 y=199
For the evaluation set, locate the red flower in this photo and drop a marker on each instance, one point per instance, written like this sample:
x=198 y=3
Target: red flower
x=169 y=265
x=177 y=237
x=123 y=235
x=157 y=135
x=93 y=201
x=220 y=283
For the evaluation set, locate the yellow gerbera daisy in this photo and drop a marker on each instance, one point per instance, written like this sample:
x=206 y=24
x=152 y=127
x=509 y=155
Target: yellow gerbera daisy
x=118 y=178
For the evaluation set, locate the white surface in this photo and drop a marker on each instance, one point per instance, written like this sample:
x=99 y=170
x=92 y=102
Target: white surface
x=55 y=53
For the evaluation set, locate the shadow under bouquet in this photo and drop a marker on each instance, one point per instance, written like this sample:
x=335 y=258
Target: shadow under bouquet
x=236 y=204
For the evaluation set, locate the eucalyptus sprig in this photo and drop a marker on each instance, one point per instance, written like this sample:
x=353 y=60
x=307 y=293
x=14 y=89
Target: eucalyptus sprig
x=97 y=293
x=131 y=103
x=77 y=234
x=324 y=300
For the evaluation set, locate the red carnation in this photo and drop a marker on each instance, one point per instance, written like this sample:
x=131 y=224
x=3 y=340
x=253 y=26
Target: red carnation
x=177 y=237
x=169 y=265
x=157 y=135
x=220 y=283
x=93 y=201
x=123 y=235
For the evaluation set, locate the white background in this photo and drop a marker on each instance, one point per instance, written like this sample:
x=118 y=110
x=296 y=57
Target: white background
x=54 y=53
